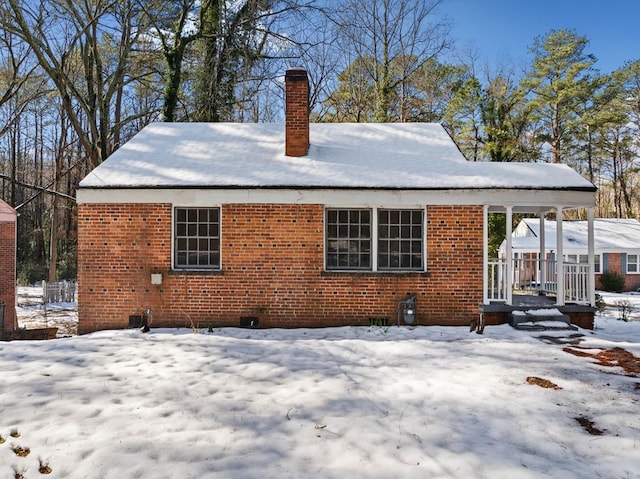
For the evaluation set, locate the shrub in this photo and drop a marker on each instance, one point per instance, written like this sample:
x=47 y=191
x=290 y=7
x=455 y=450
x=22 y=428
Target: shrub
x=624 y=309
x=601 y=305
x=612 y=281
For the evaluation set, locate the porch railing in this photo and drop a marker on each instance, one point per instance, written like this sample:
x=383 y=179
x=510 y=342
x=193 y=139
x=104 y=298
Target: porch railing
x=535 y=276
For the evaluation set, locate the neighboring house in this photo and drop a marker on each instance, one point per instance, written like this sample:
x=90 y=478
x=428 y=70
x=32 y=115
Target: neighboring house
x=226 y=224
x=8 y=320
x=616 y=245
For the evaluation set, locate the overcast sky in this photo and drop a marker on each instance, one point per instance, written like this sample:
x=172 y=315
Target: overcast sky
x=507 y=28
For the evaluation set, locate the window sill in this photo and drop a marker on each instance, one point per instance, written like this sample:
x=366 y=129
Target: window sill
x=394 y=274
x=194 y=272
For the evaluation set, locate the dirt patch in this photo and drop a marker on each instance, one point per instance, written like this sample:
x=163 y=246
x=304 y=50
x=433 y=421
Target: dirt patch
x=543 y=383
x=611 y=358
x=589 y=426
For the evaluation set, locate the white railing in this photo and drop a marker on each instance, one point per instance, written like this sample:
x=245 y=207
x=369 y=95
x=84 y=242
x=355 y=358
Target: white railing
x=576 y=283
x=535 y=276
x=497 y=287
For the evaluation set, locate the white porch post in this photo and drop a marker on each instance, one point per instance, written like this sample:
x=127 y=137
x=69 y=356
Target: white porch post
x=559 y=258
x=485 y=255
x=591 y=284
x=542 y=263
x=509 y=272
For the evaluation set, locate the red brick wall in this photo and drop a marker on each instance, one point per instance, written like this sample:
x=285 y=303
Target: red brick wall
x=615 y=264
x=272 y=268
x=8 y=273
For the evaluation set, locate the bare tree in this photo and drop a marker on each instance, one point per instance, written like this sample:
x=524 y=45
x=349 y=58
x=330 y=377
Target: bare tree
x=84 y=49
x=398 y=36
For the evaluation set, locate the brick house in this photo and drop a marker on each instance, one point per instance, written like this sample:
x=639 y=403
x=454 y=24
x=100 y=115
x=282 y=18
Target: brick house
x=304 y=225
x=8 y=320
x=616 y=246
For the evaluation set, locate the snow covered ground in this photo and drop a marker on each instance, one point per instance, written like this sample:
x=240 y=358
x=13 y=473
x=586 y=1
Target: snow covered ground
x=436 y=402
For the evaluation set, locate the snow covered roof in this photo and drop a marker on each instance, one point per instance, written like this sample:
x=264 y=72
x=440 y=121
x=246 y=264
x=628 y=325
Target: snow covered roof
x=356 y=155
x=609 y=234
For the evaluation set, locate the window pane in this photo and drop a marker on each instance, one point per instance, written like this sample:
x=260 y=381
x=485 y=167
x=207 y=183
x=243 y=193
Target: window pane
x=348 y=239
x=197 y=238
x=401 y=248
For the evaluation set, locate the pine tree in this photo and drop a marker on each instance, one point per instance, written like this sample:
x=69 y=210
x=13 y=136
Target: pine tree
x=561 y=75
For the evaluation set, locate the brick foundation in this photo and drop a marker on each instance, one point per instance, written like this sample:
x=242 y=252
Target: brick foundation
x=272 y=269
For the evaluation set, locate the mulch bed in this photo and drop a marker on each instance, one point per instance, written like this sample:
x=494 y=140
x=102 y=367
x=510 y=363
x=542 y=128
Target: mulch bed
x=614 y=357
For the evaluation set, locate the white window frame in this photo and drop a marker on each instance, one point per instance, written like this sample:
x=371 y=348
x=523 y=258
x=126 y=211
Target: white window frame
x=375 y=240
x=174 y=253
x=583 y=258
x=636 y=263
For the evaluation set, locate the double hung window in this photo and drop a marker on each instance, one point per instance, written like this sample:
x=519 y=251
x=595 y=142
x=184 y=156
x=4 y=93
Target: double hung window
x=633 y=263
x=374 y=239
x=584 y=259
x=196 y=238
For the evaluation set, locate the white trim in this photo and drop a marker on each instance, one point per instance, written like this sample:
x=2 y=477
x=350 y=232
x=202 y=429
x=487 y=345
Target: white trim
x=485 y=254
x=591 y=257
x=509 y=237
x=542 y=253
x=520 y=200
x=559 y=258
x=636 y=263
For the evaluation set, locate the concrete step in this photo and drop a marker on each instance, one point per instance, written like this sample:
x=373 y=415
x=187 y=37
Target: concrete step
x=540 y=319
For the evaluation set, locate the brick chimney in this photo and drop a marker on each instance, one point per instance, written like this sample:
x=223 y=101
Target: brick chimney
x=296 y=128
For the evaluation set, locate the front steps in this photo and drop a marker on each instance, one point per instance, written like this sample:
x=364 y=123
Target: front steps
x=540 y=320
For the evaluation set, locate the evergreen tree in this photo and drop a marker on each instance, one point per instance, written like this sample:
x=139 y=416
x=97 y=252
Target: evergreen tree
x=505 y=119
x=560 y=77
x=463 y=118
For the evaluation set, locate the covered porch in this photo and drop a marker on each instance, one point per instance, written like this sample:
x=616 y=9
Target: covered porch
x=520 y=284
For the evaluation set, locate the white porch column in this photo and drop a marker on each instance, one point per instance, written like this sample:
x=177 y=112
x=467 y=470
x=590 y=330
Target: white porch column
x=485 y=255
x=559 y=258
x=542 y=263
x=509 y=269
x=591 y=252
